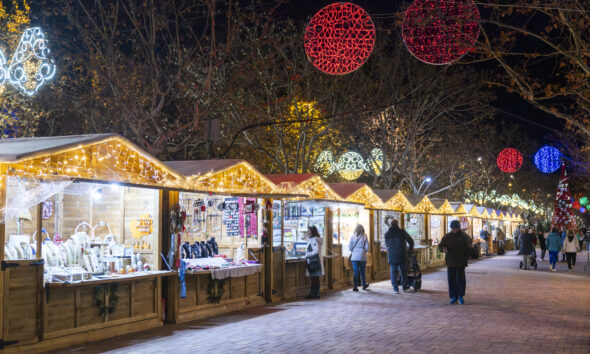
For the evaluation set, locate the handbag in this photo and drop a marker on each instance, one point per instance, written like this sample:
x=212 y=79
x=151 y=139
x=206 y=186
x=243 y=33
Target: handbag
x=313 y=263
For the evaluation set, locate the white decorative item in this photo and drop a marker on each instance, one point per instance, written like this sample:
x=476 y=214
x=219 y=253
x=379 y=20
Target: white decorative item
x=31 y=65
x=351 y=165
x=3 y=70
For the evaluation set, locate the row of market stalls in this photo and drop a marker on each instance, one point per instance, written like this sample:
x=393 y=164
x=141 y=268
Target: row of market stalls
x=98 y=238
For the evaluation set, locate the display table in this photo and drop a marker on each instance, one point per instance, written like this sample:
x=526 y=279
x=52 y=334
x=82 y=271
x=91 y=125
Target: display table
x=239 y=287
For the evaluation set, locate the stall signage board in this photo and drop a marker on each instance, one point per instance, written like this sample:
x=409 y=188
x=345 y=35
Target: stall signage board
x=464 y=223
x=231 y=216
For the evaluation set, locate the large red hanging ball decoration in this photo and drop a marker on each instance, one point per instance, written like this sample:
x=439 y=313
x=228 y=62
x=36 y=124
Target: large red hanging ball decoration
x=440 y=31
x=339 y=38
x=576 y=205
x=509 y=160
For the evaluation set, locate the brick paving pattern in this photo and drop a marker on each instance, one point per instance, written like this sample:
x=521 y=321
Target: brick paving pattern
x=507 y=310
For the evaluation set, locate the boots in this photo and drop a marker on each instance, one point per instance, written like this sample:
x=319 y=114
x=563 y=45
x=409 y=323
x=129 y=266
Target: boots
x=311 y=293
x=317 y=292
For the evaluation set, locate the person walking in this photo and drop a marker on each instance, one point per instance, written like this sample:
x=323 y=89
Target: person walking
x=570 y=247
x=563 y=236
x=553 y=246
x=501 y=237
x=521 y=232
x=484 y=235
x=580 y=237
x=515 y=236
x=314 y=261
x=457 y=246
x=396 y=241
x=359 y=246
x=542 y=244
x=526 y=247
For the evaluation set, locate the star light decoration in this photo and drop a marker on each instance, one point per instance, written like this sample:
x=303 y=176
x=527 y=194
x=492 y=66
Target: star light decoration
x=509 y=160
x=548 y=159
x=440 y=32
x=31 y=65
x=339 y=38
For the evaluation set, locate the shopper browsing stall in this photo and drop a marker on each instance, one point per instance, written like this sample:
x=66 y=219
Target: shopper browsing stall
x=314 y=261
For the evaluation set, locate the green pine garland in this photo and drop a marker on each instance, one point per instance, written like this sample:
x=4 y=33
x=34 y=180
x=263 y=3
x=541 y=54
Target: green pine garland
x=216 y=290
x=100 y=294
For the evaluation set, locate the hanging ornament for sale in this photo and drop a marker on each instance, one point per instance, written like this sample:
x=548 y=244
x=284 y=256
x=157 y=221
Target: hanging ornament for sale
x=440 y=31
x=339 y=38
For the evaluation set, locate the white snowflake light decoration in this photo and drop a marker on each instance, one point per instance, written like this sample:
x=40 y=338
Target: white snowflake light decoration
x=3 y=71
x=31 y=66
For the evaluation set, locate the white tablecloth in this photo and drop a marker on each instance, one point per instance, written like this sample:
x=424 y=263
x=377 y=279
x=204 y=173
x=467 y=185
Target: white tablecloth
x=235 y=272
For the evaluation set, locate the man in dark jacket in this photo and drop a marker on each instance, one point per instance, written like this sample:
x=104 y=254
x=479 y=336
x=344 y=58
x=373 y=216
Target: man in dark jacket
x=397 y=254
x=542 y=244
x=457 y=247
x=527 y=247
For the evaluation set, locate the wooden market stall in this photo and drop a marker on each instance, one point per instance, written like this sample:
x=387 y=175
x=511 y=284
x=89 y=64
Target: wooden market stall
x=228 y=205
x=291 y=218
x=80 y=240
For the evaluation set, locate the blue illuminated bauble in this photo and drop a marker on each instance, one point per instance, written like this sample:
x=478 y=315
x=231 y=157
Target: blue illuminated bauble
x=548 y=159
x=582 y=210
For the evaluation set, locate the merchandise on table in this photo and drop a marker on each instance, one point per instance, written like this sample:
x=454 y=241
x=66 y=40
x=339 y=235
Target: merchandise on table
x=93 y=232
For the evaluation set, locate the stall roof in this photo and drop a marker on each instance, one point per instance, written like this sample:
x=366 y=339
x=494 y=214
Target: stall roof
x=394 y=199
x=309 y=184
x=442 y=207
x=420 y=204
x=358 y=193
x=459 y=208
x=225 y=177
x=100 y=157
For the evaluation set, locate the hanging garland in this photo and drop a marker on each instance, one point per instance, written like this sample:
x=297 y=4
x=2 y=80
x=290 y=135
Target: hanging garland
x=216 y=290
x=440 y=31
x=339 y=38
x=509 y=160
x=548 y=159
x=101 y=293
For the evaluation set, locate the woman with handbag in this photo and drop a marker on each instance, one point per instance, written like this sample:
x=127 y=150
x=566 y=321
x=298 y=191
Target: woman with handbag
x=314 y=261
x=359 y=246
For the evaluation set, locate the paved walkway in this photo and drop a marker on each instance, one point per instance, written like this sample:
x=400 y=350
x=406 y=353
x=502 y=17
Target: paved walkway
x=507 y=310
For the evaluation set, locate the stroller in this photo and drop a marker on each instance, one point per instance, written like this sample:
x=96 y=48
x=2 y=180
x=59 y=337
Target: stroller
x=414 y=273
x=532 y=260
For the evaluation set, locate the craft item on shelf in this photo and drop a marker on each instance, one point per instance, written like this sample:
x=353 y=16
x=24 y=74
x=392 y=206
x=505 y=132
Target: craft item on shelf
x=231 y=216
x=204 y=250
x=142 y=226
x=177 y=218
x=214 y=245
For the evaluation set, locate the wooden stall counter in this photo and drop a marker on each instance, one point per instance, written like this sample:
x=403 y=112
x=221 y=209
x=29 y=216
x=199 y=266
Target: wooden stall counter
x=81 y=312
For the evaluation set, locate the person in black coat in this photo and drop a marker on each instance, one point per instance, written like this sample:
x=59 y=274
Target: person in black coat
x=397 y=254
x=542 y=244
x=457 y=246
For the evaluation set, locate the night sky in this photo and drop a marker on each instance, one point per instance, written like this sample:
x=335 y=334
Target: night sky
x=512 y=108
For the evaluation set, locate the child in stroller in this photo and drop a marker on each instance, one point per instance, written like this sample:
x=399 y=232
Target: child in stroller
x=414 y=273
x=532 y=261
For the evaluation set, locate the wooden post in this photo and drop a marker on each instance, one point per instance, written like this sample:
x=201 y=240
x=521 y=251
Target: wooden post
x=268 y=256
x=426 y=228
x=371 y=243
x=3 y=190
x=402 y=220
x=329 y=230
x=39 y=230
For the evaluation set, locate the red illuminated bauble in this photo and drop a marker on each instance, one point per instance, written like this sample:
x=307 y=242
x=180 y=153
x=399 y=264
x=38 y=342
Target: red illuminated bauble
x=509 y=160
x=576 y=205
x=339 y=38
x=440 y=31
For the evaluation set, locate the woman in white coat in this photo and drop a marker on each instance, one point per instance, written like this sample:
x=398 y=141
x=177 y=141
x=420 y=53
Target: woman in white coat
x=314 y=261
x=571 y=246
x=358 y=247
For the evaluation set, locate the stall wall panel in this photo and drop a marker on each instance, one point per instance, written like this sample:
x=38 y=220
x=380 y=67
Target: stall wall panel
x=109 y=209
x=278 y=262
x=203 y=289
x=191 y=293
x=143 y=297
x=62 y=310
x=22 y=308
x=238 y=287
x=123 y=303
x=76 y=208
x=89 y=314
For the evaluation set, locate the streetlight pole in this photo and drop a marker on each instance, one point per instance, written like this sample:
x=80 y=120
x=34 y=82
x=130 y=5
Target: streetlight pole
x=427 y=179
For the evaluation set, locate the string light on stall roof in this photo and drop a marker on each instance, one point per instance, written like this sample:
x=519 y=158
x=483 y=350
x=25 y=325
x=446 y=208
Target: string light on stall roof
x=548 y=159
x=509 y=160
x=440 y=32
x=339 y=38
